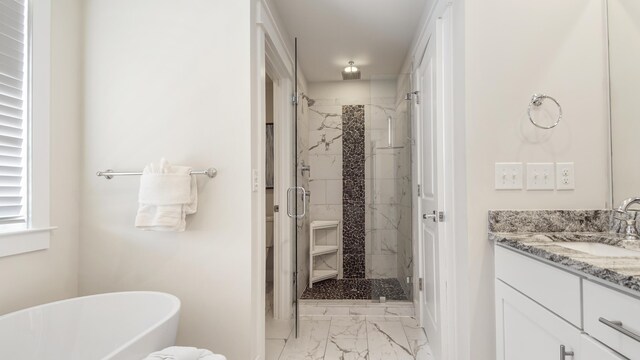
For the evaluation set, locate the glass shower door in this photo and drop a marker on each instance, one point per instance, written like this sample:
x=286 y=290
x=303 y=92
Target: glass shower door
x=297 y=196
x=388 y=183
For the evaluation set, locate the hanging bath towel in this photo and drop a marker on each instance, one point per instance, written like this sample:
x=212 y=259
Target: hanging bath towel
x=167 y=195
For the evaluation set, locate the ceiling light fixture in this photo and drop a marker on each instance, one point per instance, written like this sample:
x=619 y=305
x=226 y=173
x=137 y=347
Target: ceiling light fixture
x=351 y=72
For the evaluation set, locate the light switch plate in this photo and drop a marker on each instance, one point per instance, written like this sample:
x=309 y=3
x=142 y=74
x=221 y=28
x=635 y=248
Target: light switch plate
x=565 y=176
x=508 y=176
x=540 y=176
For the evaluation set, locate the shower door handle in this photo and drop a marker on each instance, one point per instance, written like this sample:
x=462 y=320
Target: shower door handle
x=294 y=190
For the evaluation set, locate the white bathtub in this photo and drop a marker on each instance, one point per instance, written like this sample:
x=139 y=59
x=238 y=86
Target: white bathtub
x=114 y=326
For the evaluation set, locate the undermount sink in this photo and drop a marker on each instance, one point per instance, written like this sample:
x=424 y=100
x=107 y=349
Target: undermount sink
x=599 y=249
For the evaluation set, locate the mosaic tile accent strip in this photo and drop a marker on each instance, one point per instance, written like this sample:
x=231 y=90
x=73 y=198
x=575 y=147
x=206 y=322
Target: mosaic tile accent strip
x=549 y=221
x=353 y=191
x=353 y=265
x=355 y=289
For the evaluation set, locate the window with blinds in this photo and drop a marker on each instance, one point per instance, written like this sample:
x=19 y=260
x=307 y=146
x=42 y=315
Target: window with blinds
x=13 y=112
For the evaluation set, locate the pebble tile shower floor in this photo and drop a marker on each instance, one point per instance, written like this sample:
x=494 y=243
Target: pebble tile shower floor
x=361 y=289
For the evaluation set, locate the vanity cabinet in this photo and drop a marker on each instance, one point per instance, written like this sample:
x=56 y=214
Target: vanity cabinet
x=608 y=314
x=544 y=312
x=591 y=349
x=527 y=331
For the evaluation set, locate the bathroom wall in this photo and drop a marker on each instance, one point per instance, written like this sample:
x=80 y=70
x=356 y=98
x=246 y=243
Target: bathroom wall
x=327 y=164
x=164 y=78
x=514 y=49
x=48 y=275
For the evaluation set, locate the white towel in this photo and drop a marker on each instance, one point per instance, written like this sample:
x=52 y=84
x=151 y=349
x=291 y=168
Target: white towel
x=167 y=194
x=184 y=353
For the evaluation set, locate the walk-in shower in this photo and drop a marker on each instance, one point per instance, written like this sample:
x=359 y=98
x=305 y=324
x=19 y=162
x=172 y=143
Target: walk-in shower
x=358 y=144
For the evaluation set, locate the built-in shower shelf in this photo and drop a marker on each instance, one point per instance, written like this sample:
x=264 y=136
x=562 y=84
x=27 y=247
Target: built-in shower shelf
x=319 y=275
x=324 y=239
x=321 y=250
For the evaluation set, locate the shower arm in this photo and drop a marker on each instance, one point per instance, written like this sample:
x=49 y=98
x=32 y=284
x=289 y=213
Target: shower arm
x=389 y=135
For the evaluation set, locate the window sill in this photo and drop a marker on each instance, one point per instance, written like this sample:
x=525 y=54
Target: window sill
x=22 y=241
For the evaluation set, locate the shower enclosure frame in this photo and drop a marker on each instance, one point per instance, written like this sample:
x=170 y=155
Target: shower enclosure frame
x=273 y=57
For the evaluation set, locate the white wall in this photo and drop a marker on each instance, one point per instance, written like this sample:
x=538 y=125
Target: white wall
x=44 y=276
x=515 y=49
x=172 y=78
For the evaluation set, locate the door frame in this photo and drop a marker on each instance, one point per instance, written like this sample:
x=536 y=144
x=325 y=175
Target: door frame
x=439 y=26
x=282 y=133
x=273 y=57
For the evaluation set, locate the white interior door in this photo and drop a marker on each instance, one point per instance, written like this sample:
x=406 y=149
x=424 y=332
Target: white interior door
x=430 y=199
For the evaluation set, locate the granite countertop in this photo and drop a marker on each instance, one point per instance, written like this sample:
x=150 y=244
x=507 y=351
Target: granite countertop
x=623 y=271
x=539 y=233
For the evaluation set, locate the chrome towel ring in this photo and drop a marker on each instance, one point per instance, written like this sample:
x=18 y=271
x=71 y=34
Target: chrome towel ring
x=536 y=100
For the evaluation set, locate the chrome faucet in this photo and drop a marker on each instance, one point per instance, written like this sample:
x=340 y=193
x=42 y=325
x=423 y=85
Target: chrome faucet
x=631 y=232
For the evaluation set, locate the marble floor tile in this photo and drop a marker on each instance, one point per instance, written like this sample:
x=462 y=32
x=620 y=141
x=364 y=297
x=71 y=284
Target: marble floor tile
x=311 y=344
x=387 y=341
x=420 y=349
x=377 y=311
x=383 y=318
x=354 y=337
x=412 y=329
x=348 y=327
x=277 y=329
x=417 y=339
x=273 y=349
x=399 y=311
x=347 y=349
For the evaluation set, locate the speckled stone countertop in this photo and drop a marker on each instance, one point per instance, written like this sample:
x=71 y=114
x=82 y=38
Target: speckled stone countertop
x=539 y=232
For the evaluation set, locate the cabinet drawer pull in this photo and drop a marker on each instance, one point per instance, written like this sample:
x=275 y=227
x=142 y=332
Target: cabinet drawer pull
x=617 y=325
x=564 y=353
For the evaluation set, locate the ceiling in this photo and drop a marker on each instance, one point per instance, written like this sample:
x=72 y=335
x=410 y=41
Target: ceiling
x=376 y=34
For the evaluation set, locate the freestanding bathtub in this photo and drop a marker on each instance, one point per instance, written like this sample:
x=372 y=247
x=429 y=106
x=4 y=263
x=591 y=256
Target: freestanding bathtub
x=114 y=326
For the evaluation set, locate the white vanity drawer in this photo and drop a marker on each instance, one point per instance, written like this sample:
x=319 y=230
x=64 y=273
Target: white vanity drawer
x=590 y=349
x=555 y=289
x=602 y=304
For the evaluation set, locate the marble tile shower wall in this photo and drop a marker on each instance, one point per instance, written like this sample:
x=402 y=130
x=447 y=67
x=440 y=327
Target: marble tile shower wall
x=383 y=215
x=303 y=224
x=387 y=182
x=403 y=194
x=325 y=159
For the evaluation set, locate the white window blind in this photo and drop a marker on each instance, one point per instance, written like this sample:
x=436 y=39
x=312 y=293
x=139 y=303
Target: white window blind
x=13 y=111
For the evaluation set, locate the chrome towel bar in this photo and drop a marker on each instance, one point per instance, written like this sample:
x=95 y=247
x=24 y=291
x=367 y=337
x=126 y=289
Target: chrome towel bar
x=109 y=174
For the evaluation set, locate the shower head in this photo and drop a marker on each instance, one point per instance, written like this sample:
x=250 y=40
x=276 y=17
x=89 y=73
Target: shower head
x=310 y=101
x=351 y=72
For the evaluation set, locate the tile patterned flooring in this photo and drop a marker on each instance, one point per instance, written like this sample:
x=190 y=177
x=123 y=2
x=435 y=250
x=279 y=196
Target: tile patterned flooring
x=363 y=289
x=342 y=330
